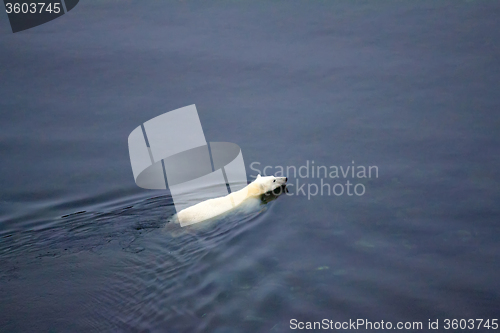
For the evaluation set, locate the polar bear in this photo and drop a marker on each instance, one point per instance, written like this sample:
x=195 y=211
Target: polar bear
x=214 y=207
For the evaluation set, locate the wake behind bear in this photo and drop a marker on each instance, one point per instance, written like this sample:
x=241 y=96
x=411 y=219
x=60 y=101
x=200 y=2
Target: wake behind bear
x=213 y=207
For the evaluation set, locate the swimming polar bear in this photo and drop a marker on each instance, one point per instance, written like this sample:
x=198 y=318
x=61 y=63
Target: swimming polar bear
x=214 y=207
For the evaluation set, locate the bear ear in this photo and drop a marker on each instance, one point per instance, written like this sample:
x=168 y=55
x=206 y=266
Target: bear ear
x=258 y=176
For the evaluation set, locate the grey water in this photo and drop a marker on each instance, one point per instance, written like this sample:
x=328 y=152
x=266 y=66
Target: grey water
x=409 y=87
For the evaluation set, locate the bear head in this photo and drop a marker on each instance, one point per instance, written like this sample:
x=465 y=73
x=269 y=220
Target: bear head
x=269 y=183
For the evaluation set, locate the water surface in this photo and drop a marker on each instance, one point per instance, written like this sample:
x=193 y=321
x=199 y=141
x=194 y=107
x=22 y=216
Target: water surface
x=410 y=88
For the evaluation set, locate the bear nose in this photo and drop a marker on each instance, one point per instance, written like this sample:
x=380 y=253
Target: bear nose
x=286 y=179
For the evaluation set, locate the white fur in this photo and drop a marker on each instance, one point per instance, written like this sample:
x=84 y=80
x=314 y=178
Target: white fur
x=214 y=207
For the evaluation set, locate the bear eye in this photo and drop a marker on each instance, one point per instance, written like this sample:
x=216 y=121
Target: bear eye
x=274 y=181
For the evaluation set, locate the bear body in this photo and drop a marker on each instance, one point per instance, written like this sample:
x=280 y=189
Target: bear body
x=217 y=206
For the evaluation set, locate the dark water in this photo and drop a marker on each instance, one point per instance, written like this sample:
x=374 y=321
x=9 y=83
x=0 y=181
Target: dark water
x=410 y=88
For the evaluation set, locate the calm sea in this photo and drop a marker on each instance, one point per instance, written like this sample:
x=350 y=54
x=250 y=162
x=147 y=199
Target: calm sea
x=409 y=87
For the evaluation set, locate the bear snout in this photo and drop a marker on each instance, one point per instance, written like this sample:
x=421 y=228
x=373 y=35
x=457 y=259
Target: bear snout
x=282 y=180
